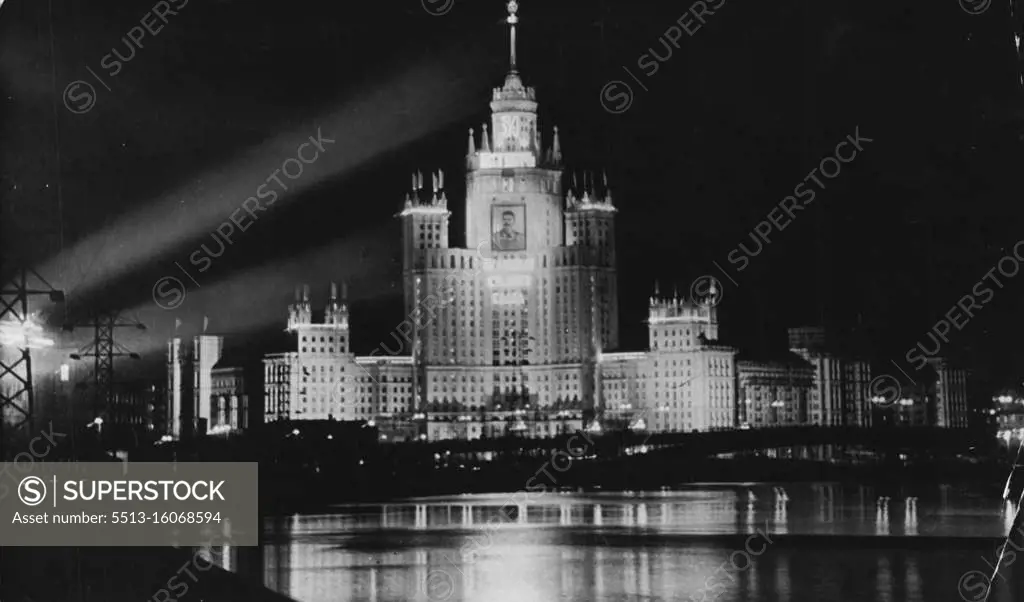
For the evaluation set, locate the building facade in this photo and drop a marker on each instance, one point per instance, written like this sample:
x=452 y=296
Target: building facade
x=229 y=412
x=135 y=412
x=774 y=393
x=937 y=397
x=684 y=382
x=323 y=380
x=841 y=393
x=179 y=386
x=1007 y=418
x=950 y=394
x=207 y=393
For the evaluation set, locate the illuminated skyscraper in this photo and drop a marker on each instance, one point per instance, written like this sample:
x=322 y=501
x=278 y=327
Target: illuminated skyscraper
x=514 y=322
x=510 y=335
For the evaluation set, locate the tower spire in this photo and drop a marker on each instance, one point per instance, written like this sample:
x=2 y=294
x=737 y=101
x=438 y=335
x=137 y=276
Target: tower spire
x=607 y=189
x=512 y=19
x=556 y=148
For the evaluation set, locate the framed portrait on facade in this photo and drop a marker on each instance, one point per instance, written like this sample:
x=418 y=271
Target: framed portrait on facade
x=508 y=227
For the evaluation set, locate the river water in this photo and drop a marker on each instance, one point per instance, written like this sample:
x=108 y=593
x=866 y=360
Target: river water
x=755 y=542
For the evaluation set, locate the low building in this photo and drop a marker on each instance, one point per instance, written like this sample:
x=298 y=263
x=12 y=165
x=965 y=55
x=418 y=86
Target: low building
x=684 y=382
x=134 y=413
x=774 y=393
x=936 y=397
x=213 y=387
x=950 y=393
x=229 y=412
x=841 y=392
x=280 y=381
x=1008 y=411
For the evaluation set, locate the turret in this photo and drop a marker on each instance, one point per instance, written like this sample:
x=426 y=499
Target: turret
x=556 y=149
x=607 y=190
x=424 y=218
x=300 y=312
x=336 y=313
x=590 y=217
x=679 y=324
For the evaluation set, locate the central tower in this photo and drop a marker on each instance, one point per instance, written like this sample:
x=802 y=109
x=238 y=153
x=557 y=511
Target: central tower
x=513 y=193
x=515 y=321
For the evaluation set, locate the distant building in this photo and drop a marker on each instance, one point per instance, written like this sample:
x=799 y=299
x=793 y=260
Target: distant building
x=775 y=393
x=207 y=391
x=808 y=338
x=206 y=353
x=684 y=382
x=950 y=394
x=318 y=380
x=936 y=397
x=180 y=385
x=385 y=387
x=1008 y=411
x=159 y=416
x=323 y=380
x=911 y=409
x=134 y=412
x=841 y=393
x=229 y=412
x=280 y=381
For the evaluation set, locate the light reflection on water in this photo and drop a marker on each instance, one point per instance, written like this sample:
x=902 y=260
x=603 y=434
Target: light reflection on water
x=646 y=546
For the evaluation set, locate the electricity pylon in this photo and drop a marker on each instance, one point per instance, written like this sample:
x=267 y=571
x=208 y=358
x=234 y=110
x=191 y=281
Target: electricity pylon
x=19 y=335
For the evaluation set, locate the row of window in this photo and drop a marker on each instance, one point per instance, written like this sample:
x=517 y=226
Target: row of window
x=569 y=257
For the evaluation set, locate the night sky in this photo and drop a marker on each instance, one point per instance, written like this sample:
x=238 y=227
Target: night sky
x=744 y=109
